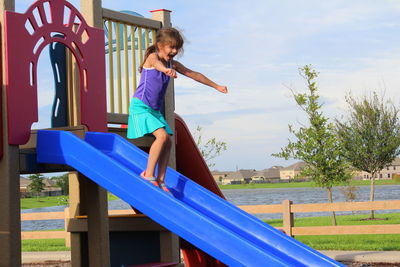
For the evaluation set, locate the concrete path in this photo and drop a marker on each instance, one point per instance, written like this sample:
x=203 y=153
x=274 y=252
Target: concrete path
x=364 y=256
x=50 y=256
x=344 y=256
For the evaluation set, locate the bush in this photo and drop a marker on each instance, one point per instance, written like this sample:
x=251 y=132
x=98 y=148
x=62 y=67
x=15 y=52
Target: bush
x=396 y=177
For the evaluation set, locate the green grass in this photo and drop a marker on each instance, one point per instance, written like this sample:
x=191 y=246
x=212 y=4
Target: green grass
x=42 y=202
x=386 y=218
x=44 y=245
x=328 y=242
x=348 y=242
x=352 y=242
x=304 y=184
x=112 y=197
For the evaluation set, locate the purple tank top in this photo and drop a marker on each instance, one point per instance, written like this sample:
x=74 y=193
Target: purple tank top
x=152 y=88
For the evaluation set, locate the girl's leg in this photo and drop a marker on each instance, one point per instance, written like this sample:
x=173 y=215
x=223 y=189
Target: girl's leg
x=163 y=161
x=156 y=150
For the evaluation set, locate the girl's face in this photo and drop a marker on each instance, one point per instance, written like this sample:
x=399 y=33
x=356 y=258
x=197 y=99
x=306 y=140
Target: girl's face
x=167 y=51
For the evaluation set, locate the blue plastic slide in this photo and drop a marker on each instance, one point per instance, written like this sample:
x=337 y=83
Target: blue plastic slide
x=192 y=212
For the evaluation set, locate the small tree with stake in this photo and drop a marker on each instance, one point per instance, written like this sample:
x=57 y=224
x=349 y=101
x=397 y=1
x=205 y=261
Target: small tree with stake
x=317 y=144
x=371 y=135
x=209 y=149
x=36 y=186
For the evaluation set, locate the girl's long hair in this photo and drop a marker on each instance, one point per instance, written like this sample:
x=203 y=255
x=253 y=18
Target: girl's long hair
x=164 y=36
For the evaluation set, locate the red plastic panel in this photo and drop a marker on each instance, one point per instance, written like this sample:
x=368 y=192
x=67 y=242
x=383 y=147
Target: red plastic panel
x=191 y=163
x=189 y=160
x=26 y=36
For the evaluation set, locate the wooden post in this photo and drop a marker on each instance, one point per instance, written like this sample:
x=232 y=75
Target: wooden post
x=10 y=223
x=169 y=242
x=92 y=12
x=90 y=198
x=169 y=247
x=67 y=234
x=288 y=218
x=78 y=259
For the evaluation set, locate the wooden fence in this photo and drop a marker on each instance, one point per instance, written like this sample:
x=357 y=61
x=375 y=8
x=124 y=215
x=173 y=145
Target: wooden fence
x=287 y=209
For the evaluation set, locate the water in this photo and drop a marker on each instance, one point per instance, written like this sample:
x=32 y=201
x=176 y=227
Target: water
x=262 y=196
x=267 y=196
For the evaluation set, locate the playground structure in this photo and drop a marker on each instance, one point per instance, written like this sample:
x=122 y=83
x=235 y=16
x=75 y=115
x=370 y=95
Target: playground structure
x=226 y=234
x=58 y=22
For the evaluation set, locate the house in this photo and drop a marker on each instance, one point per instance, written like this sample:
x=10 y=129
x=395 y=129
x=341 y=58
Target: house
x=50 y=188
x=239 y=177
x=385 y=173
x=219 y=176
x=23 y=186
x=292 y=171
x=269 y=175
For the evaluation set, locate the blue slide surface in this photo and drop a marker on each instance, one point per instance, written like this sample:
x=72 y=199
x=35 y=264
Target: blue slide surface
x=192 y=212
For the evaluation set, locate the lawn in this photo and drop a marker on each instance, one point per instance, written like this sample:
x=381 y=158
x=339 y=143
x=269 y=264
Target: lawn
x=352 y=242
x=44 y=245
x=384 y=218
x=41 y=202
x=348 y=242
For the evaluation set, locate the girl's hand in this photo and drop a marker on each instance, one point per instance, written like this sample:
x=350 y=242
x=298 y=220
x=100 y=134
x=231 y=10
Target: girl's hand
x=171 y=73
x=222 y=89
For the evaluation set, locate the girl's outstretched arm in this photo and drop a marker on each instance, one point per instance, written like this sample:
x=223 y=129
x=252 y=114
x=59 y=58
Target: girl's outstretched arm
x=197 y=76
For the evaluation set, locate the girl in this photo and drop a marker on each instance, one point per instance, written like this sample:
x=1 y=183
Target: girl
x=144 y=112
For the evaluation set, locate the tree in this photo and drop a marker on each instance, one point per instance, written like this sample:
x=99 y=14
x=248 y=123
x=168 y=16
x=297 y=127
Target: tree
x=371 y=135
x=36 y=186
x=316 y=144
x=62 y=182
x=210 y=149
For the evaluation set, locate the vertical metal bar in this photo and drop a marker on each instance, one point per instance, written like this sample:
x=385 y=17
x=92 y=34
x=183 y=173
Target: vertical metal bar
x=133 y=53
x=140 y=45
x=126 y=69
x=119 y=82
x=110 y=65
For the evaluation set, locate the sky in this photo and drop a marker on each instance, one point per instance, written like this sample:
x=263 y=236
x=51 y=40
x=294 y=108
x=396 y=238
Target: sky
x=256 y=48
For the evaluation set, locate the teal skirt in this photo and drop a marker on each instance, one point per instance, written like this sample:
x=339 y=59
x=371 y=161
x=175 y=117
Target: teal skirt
x=143 y=120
